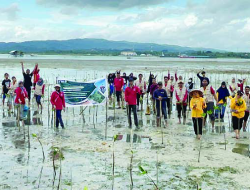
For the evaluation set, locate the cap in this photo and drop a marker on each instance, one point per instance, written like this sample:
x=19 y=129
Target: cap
x=240 y=93
x=180 y=82
x=57 y=85
x=160 y=83
x=223 y=83
x=131 y=79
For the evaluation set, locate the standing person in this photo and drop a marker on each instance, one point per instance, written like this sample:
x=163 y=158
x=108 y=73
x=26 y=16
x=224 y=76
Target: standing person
x=241 y=84
x=169 y=89
x=141 y=84
x=233 y=87
x=58 y=103
x=27 y=80
x=111 y=78
x=202 y=77
x=153 y=87
x=5 y=88
x=189 y=86
x=21 y=95
x=12 y=88
x=150 y=81
x=222 y=95
x=238 y=107
x=118 y=83
x=160 y=95
x=197 y=104
x=181 y=95
x=209 y=96
x=39 y=92
x=246 y=97
x=131 y=98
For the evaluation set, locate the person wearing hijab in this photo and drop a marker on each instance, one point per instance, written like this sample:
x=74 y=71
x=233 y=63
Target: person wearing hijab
x=238 y=108
x=21 y=95
x=222 y=95
x=189 y=86
x=39 y=92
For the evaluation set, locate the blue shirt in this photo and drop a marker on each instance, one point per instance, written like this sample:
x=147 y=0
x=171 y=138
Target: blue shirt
x=163 y=94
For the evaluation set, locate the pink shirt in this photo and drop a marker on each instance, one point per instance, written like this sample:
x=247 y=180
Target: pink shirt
x=118 y=82
x=131 y=95
x=57 y=99
x=21 y=94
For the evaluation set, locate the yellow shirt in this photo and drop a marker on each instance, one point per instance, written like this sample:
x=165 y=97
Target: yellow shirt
x=221 y=101
x=198 y=110
x=241 y=108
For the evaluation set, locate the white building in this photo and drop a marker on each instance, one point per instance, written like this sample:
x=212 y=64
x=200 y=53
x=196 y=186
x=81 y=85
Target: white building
x=128 y=53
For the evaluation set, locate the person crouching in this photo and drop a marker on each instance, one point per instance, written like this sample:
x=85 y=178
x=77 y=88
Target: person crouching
x=197 y=104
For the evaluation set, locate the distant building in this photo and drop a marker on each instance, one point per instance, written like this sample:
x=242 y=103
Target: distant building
x=128 y=53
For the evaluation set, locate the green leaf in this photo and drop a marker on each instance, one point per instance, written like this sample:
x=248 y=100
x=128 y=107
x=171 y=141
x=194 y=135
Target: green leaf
x=115 y=137
x=225 y=104
x=209 y=112
x=216 y=107
x=142 y=170
x=34 y=135
x=132 y=152
x=203 y=115
x=85 y=188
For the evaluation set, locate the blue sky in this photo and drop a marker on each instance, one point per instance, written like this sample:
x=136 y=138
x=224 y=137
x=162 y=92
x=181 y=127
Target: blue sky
x=217 y=24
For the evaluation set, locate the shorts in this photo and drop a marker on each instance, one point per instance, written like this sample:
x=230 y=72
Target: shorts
x=118 y=95
x=111 y=89
x=38 y=99
x=245 y=118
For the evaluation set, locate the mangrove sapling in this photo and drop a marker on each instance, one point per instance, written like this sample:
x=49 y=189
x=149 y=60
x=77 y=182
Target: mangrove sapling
x=35 y=136
x=61 y=157
x=131 y=169
x=113 y=161
x=57 y=154
x=145 y=172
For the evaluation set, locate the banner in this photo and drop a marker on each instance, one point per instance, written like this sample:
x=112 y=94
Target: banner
x=84 y=94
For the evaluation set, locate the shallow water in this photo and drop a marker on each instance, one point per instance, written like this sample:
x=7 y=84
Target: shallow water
x=87 y=145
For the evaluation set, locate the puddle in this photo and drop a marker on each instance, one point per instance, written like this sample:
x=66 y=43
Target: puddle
x=242 y=149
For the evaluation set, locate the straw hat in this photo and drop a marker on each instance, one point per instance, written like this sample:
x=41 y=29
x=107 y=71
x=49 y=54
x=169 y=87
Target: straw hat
x=196 y=90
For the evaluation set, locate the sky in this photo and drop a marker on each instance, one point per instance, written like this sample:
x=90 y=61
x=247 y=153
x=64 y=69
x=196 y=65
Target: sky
x=220 y=24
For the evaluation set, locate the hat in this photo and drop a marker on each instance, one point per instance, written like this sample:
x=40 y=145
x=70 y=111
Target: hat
x=160 y=83
x=180 y=82
x=57 y=85
x=20 y=82
x=240 y=93
x=196 y=90
x=131 y=79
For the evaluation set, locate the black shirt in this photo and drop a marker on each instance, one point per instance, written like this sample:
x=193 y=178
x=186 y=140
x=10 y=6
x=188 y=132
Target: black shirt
x=27 y=80
x=6 y=85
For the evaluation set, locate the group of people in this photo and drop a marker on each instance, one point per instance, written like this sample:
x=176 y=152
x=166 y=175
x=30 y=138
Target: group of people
x=17 y=94
x=204 y=101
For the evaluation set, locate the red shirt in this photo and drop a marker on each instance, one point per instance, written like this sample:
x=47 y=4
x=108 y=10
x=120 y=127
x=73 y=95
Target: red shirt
x=57 y=99
x=118 y=82
x=21 y=94
x=131 y=95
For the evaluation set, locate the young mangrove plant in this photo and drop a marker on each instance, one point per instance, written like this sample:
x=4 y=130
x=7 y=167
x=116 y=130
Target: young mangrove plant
x=35 y=136
x=113 y=161
x=145 y=172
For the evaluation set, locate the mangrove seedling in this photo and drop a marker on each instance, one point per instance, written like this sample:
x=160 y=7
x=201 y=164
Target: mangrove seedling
x=35 y=136
x=113 y=161
x=145 y=172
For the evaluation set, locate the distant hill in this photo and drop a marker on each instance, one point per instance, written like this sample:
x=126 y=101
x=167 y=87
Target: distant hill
x=93 y=44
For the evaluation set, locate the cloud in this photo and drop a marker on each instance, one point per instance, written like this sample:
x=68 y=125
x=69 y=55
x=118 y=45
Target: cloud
x=98 y=4
x=10 y=12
